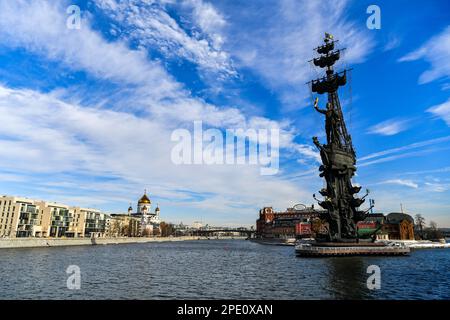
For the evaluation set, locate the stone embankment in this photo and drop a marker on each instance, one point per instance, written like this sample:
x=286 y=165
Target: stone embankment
x=6 y=243
x=422 y=244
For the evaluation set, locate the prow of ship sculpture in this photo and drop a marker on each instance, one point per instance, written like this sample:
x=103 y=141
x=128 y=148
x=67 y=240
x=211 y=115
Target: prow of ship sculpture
x=341 y=202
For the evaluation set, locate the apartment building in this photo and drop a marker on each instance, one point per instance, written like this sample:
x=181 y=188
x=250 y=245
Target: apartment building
x=17 y=216
x=23 y=217
x=94 y=223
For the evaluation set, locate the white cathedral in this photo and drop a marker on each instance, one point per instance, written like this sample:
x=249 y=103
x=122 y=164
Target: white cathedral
x=149 y=221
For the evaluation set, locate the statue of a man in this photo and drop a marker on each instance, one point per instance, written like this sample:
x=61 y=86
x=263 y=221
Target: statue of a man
x=331 y=120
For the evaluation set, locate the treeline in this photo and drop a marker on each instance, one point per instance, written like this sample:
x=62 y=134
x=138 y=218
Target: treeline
x=424 y=232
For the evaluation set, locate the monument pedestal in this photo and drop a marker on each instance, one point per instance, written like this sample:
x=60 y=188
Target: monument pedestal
x=330 y=249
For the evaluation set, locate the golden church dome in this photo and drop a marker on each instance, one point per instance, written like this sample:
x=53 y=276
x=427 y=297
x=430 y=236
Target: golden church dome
x=144 y=199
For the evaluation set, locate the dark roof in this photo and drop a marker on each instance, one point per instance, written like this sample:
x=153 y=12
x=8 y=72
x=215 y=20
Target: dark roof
x=379 y=217
x=376 y=215
x=397 y=217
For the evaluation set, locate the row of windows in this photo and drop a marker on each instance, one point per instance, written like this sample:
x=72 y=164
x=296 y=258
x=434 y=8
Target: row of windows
x=4 y=202
x=7 y=224
x=7 y=215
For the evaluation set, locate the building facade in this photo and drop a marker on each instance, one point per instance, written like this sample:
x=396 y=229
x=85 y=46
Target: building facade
x=394 y=226
x=149 y=221
x=23 y=217
x=18 y=216
x=123 y=225
x=306 y=223
x=273 y=224
x=399 y=226
x=140 y=223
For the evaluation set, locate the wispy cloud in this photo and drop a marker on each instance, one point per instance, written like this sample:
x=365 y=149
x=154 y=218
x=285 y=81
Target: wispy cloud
x=437 y=187
x=442 y=110
x=389 y=127
x=404 y=155
x=422 y=172
x=52 y=137
x=282 y=36
x=393 y=42
x=436 y=52
x=401 y=182
x=209 y=20
x=152 y=27
x=398 y=150
x=40 y=27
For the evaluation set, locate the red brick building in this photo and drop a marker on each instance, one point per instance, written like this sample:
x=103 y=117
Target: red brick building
x=273 y=224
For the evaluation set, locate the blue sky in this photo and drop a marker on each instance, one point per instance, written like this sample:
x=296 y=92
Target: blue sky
x=87 y=113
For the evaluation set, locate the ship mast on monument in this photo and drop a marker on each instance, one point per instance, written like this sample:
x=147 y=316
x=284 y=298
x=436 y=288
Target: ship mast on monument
x=338 y=155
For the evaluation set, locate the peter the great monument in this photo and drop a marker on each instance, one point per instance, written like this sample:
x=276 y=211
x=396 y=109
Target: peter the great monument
x=341 y=202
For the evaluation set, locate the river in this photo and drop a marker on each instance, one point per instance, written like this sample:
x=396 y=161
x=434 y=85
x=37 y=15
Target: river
x=216 y=269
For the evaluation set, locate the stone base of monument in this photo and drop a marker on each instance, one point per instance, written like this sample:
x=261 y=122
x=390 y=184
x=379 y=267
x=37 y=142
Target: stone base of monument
x=329 y=249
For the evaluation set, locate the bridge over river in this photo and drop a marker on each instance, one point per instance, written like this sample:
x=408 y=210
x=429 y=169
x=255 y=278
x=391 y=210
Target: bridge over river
x=206 y=232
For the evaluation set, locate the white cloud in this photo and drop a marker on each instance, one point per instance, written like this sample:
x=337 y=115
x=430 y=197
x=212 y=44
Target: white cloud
x=282 y=36
x=437 y=187
x=442 y=110
x=393 y=42
x=52 y=137
x=436 y=52
x=40 y=27
x=209 y=20
x=152 y=27
x=308 y=151
x=422 y=172
x=389 y=127
x=406 y=183
x=401 y=150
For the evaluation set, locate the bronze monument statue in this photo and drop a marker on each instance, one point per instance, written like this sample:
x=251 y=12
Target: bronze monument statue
x=338 y=156
x=341 y=202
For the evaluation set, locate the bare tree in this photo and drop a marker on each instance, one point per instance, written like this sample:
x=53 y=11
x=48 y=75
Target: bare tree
x=432 y=232
x=166 y=229
x=146 y=233
x=125 y=231
x=433 y=225
x=115 y=228
x=420 y=223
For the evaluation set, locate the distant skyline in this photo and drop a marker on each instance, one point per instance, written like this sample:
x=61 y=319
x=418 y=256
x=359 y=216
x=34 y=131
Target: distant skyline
x=87 y=114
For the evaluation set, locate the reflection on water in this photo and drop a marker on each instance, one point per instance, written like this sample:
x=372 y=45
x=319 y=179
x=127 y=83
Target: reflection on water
x=215 y=269
x=346 y=277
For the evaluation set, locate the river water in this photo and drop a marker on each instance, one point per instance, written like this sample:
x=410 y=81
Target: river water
x=217 y=269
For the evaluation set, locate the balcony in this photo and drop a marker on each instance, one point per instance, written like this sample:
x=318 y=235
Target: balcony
x=31 y=209
x=24 y=216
